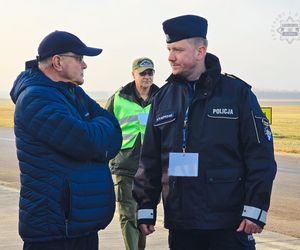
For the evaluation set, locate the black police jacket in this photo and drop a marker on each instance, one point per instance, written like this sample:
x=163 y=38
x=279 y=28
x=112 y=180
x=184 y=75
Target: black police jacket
x=232 y=137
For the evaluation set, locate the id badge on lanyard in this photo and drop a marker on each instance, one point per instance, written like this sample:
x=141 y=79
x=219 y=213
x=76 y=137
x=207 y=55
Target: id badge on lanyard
x=182 y=163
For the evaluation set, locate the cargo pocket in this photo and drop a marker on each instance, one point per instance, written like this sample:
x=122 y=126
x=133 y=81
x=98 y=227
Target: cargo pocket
x=118 y=189
x=225 y=189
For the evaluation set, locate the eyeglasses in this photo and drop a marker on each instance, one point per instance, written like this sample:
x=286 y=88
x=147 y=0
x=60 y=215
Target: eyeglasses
x=147 y=72
x=78 y=58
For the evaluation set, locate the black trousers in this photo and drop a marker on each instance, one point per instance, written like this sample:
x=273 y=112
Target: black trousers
x=210 y=240
x=89 y=242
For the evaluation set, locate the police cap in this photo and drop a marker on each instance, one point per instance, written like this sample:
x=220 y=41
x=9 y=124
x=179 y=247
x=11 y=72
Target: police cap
x=183 y=27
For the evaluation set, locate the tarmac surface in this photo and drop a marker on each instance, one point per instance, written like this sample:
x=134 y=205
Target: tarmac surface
x=110 y=238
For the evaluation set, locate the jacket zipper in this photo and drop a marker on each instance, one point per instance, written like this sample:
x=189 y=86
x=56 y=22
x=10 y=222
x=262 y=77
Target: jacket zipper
x=67 y=207
x=67 y=227
x=255 y=127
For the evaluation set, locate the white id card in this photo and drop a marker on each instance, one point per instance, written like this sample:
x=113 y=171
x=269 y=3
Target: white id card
x=183 y=164
x=143 y=117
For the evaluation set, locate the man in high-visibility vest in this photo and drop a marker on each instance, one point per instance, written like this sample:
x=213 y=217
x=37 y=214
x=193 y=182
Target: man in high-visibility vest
x=131 y=105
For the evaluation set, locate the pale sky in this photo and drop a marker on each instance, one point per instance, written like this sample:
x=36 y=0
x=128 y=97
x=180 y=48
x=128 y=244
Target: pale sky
x=243 y=34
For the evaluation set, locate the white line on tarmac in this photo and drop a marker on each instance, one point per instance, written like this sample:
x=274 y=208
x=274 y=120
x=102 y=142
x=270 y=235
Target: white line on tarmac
x=6 y=139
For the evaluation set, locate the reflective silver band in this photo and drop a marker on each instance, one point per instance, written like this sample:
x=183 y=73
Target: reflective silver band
x=255 y=213
x=145 y=214
x=263 y=216
x=128 y=136
x=131 y=118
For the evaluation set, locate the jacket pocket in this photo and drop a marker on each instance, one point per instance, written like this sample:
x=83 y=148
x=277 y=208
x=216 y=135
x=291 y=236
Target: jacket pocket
x=223 y=117
x=167 y=122
x=174 y=196
x=224 y=128
x=225 y=189
x=165 y=118
x=66 y=199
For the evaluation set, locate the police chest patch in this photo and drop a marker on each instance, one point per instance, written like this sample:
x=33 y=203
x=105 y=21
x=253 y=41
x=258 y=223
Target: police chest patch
x=223 y=112
x=164 y=118
x=267 y=129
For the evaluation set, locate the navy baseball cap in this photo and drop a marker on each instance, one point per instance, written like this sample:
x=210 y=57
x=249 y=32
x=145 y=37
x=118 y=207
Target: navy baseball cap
x=59 y=42
x=183 y=27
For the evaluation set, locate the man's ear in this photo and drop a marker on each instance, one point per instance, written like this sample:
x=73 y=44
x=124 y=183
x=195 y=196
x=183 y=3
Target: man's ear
x=56 y=63
x=202 y=51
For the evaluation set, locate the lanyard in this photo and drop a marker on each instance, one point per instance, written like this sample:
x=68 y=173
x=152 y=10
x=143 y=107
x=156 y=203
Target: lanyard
x=191 y=88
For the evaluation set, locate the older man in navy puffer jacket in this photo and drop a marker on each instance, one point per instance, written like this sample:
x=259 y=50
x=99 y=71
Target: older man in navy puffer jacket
x=64 y=141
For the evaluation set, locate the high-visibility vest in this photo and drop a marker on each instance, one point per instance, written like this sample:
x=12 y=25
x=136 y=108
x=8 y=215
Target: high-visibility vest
x=132 y=118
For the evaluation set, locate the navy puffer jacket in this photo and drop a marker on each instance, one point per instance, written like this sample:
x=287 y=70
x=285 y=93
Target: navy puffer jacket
x=64 y=141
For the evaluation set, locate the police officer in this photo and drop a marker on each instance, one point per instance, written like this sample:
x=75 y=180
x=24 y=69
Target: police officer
x=131 y=105
x=207 y=148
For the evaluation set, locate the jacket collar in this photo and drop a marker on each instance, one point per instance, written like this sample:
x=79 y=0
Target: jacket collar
x=129 y=91
x=212 y=73
x=207 y=81
x=33 y=76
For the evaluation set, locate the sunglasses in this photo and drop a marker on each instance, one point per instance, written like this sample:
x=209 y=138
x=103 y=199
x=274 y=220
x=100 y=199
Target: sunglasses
x=78 y=58
x=147 y=72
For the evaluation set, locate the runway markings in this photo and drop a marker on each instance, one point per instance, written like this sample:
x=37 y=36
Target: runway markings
x=6 y=139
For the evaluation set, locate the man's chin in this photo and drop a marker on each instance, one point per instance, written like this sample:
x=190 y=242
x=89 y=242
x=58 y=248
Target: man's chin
x=175 y=72
x=79 y=82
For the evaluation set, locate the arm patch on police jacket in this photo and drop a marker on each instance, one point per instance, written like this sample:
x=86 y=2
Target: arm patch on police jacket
x=260 y=121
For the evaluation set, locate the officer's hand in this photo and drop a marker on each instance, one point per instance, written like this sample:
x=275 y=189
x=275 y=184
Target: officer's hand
x=146 y=229
x=249 y=227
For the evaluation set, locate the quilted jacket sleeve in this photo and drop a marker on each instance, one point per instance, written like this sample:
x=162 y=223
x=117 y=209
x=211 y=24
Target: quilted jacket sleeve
x=48 y=117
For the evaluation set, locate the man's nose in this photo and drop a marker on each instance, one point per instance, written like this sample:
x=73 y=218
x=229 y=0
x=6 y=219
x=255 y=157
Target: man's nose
x=84 y=65
x=171 y=56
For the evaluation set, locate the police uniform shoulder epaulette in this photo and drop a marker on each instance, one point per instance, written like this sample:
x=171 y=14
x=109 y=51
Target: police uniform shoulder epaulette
x=237 y=78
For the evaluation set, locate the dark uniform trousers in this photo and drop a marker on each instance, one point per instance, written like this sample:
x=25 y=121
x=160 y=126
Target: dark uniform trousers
x=210 y=240
x=89 y=242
